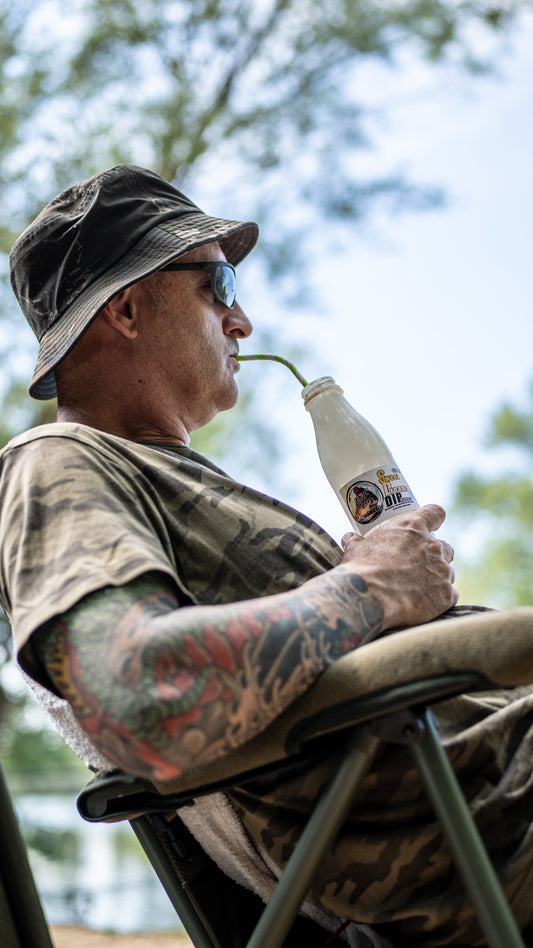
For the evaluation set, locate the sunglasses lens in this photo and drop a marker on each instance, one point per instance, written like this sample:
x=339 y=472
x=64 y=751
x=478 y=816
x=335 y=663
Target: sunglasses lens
x=224 y=285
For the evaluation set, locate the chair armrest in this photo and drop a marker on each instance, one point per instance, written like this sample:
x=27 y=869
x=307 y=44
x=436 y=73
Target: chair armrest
x=417 y=666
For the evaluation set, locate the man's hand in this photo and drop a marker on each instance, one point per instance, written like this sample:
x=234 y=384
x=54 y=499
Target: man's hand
x=406 y=567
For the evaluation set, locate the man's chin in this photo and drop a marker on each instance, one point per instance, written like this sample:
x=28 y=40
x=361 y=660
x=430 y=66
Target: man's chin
x=227 y=398
x=230 y=398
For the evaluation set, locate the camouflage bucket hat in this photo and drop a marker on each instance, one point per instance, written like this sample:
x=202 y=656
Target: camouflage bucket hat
x=94 y=240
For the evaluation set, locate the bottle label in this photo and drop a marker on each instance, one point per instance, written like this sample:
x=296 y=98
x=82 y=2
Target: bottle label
x=376 y=495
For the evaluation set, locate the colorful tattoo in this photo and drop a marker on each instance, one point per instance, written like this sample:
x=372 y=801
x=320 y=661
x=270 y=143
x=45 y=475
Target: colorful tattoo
x=159 y=688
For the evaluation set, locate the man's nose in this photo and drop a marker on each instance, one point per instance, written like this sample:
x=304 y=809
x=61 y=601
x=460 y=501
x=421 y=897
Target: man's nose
x=236 y=322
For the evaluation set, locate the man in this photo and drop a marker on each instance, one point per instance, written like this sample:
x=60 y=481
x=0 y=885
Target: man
x=175 y=610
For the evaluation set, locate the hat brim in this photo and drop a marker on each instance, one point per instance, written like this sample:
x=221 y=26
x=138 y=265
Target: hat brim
x=159 y=246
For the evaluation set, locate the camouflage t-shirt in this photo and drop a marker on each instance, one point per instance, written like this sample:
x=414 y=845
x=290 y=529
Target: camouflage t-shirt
x=80 y=510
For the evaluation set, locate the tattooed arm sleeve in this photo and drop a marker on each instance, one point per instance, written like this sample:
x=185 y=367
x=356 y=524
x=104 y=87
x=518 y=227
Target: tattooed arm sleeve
x=159 y=688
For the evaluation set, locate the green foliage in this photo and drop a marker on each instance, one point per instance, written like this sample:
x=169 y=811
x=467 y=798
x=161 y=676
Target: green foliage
x=57 y=845
x=33 y=755
x=513 y=427
x=499 y=509
x=253 y=104
x=20 y=413
x=208 y=84
x=504 y=498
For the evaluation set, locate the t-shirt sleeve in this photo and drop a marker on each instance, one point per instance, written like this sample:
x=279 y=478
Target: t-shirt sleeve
x=73 y=519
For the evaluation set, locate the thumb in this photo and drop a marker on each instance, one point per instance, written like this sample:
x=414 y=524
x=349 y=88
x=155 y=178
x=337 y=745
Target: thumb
x=433 y=516
x=348 y=537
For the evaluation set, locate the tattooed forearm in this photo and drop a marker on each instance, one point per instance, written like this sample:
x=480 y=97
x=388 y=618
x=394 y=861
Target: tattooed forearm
x=160 y=689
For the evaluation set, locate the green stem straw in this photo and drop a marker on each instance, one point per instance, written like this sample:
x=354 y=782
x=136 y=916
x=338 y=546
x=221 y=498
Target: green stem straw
x=272 y=358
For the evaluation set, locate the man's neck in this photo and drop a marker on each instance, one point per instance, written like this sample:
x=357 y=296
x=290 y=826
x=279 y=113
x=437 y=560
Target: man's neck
x=131 y=430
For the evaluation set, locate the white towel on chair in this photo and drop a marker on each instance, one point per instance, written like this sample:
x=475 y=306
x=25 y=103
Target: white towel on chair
x=214 y=823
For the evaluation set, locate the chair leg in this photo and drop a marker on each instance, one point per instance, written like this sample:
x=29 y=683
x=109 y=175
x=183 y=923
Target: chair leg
x=22 y=920
x=315 y=841
x=189 y=913
x=471 y=858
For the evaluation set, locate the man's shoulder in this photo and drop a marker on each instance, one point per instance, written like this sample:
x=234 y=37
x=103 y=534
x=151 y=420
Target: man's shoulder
x=63 y=434
x=58 y=446
x=47 y=451
x=63 y=430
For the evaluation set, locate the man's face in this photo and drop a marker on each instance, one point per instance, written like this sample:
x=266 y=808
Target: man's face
x=191 y=340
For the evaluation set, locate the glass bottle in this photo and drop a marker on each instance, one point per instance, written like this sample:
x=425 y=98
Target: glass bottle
x=355 y=459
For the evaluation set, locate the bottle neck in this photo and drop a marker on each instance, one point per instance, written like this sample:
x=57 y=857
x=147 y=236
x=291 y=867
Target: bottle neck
x=319 y=387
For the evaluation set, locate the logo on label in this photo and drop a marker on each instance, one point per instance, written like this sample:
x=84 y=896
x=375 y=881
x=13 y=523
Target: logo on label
x=365 y=501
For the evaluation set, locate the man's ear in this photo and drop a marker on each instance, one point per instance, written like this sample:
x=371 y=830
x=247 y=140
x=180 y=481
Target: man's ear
x=120 y=314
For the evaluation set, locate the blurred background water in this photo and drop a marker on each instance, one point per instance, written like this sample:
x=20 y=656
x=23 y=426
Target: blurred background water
x=95 y=875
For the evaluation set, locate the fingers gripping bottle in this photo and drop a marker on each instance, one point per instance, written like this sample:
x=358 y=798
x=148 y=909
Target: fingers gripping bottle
x=355 y=459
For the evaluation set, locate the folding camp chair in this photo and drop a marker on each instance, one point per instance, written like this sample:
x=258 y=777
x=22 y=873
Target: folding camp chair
x=22 y=921
x=380 y=692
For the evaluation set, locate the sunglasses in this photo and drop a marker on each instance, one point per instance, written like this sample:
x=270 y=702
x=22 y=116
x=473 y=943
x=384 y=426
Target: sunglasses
x=222 y=278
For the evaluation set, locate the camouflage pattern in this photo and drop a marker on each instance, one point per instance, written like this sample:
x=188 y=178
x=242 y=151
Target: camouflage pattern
x=80 y=510
x=391 y=867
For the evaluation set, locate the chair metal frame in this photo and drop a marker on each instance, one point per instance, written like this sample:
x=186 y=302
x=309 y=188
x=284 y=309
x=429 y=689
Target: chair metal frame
x=22 y=920
x=399 y=716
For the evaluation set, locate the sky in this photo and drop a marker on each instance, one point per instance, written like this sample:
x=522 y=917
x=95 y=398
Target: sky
x=444 y=298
